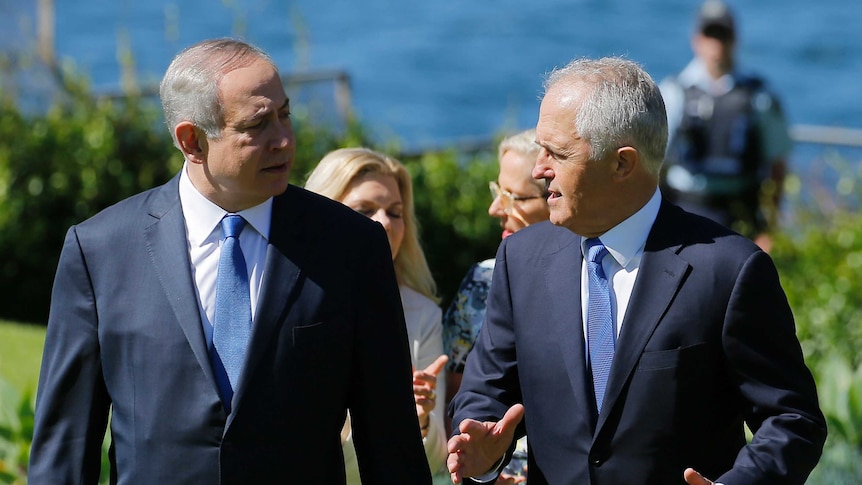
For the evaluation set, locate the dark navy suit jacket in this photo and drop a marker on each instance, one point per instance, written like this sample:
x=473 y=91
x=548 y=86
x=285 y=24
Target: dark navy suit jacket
x=707 y=343
x=125 y=336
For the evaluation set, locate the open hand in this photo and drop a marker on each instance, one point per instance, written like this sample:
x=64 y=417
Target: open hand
x=479 y=445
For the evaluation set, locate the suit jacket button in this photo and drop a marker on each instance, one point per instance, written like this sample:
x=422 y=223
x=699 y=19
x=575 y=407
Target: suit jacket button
x=597 y=460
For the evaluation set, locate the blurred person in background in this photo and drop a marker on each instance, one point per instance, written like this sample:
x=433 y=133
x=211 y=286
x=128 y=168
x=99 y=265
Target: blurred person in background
x=518 y=200
x=379 y=187
x=729 y=140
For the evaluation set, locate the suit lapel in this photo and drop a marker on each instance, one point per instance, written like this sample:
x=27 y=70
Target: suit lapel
x=168 y=250
x=660 y=276
x=567 y=314
x=280 y=277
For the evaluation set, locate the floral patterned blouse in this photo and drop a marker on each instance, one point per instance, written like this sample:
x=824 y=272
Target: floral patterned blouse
x=461 y=324
x=464 y=317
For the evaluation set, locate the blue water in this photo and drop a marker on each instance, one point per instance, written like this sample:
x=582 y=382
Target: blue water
x=428 y=72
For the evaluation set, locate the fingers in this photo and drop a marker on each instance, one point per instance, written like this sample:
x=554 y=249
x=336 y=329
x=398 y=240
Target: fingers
x=471 y=426
x=425 y=382
x=425 y=396
x=475 y=449
x=455 y=444
x=453 y=464
x=437 y=365
x=694 y=478
x=512 y=418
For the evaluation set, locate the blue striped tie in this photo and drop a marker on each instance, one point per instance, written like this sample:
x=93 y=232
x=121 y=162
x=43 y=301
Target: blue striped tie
x=232 y=320
x=600 y=327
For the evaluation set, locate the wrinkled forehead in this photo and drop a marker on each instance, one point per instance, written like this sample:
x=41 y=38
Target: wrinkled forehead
x=252 y=88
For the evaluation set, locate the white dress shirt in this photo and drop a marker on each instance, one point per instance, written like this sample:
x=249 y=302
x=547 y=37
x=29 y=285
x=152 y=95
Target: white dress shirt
x=203 y=234
x=625 y=244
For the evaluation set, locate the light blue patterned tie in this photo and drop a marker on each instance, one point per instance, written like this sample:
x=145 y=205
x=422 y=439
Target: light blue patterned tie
x=232 y=321
x=600 y=327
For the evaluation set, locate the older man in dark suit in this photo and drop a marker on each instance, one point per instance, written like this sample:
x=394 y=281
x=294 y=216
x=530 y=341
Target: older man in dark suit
x=635 y=339
x=224 y=323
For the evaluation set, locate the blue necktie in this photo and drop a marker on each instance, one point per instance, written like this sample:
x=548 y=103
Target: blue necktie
x=232 y=321
x=600 y=327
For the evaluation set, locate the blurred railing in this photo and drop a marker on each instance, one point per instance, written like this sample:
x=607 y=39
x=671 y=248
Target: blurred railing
x=294 y=85
x=826 y=135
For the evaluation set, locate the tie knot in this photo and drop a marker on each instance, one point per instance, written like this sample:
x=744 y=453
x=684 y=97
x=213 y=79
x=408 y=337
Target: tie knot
x=232 y=225
x=596 y=251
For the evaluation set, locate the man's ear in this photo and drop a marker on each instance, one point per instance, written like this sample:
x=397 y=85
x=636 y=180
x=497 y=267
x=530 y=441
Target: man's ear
x=627 y=159
x=192 y=141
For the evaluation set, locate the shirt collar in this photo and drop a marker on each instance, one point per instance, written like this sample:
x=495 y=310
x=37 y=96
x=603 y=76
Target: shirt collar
x=202 y=215
x=627 y=239
x=696 y=75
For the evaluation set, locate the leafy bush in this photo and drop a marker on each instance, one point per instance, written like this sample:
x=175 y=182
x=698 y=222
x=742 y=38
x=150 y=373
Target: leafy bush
x=452 y=198
x=819 y=259
x=16 y=434
x=59 y=168
x=819 y=270
x=17 y=414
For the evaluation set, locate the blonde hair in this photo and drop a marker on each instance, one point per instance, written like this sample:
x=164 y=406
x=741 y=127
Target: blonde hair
x=524 y=144
x=332 y=177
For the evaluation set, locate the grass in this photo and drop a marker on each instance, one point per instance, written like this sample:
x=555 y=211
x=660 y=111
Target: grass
x=21 y=354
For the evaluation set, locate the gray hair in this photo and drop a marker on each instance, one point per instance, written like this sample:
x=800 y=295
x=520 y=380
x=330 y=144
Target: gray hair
x=189 y=90
x=623 y=108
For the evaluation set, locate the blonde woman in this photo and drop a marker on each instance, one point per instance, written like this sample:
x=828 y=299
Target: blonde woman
x=379 y=187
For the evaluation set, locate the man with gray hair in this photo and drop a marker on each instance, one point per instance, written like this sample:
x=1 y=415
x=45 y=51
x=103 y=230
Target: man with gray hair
x=630 y=340
x=223 y=323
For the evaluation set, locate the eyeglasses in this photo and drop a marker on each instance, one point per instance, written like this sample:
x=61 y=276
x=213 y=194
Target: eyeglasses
x=507 y=199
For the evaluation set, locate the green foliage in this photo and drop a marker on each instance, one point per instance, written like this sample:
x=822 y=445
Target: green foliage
x=841 y=464
x=820 y=269
x=16 y=434
x=17 y=416
x=60 y=168
x=313 y=142
x=819 y=259
x=840 y=391
x=452 y=198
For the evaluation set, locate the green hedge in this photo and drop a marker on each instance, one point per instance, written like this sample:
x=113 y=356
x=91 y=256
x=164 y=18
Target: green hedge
x=59 y=168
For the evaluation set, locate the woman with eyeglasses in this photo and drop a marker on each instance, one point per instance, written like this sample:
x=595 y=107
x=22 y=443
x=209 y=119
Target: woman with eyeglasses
x=379 y=187
x=518 y=201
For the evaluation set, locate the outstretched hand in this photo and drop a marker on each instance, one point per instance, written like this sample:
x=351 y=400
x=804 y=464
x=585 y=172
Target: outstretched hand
x=425 y=391
x=480 y=445
x=694 y=478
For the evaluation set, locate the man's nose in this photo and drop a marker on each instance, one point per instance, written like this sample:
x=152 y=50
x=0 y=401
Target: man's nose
x=284 y=136
x=540 y=170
